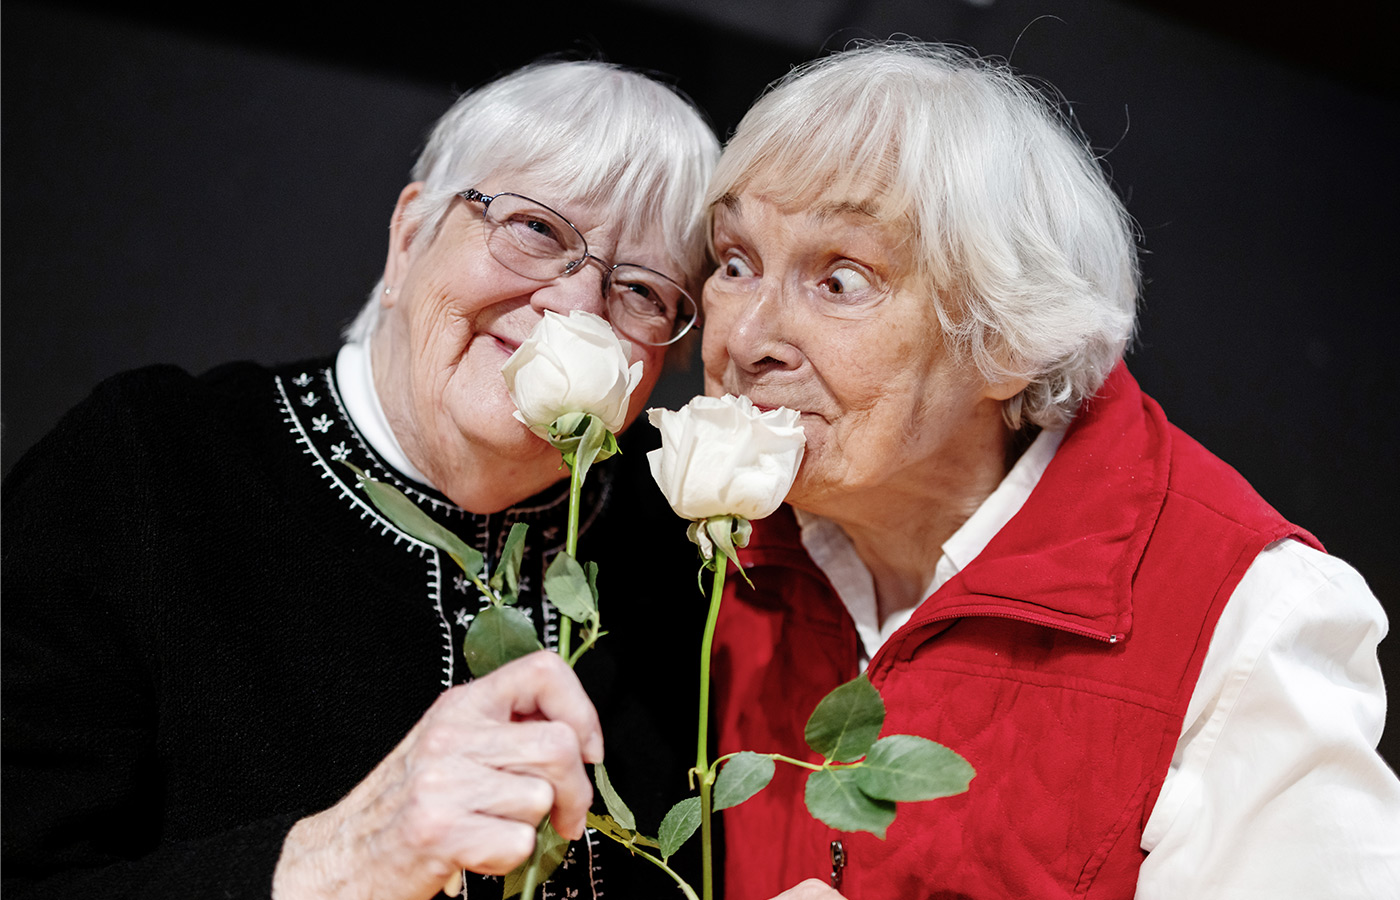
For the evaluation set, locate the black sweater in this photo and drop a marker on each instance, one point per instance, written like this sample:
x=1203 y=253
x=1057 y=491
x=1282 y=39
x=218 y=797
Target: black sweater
x=209 y=634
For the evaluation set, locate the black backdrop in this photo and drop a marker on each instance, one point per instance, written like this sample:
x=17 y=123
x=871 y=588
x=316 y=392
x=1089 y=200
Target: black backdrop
x=197 y=186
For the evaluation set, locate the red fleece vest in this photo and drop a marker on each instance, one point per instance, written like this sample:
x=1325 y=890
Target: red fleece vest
x=1060 y=663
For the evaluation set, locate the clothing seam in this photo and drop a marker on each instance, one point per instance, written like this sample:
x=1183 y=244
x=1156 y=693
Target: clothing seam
x=1201 y=504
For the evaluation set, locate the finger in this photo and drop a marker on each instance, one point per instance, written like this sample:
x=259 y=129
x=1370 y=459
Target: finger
x=542 y=684
x=811 y=889
x=494 y=846
x=547 y=751
x=467 y=815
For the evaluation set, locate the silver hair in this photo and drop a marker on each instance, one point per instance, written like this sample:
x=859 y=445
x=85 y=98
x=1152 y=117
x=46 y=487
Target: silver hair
x=1029 y=254
x=582 y=132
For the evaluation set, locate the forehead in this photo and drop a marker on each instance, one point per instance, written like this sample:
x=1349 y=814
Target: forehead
x=857 y=222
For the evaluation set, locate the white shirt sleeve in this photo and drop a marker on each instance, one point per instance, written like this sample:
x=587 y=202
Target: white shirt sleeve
x=1275 y=789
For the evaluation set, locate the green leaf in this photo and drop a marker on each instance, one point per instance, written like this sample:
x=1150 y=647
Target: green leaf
x=567 y=588
x=605 y=824
x=588 y=448
x=406 y=515
x=498 y=635
x=906 y=767
x=721 y=531
x=590 y=568
x=678 y=825
x=742 y=776
x=616 y=808
x=847 y=721
x=570 y=424
x=506 y=578
x=550 y=850
x=834 y=798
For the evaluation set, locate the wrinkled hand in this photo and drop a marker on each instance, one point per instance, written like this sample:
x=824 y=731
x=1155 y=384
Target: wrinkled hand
x=465 y=789
x=811 y=889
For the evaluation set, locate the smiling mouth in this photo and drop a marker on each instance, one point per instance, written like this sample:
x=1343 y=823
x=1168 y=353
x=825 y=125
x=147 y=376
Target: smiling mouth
x=506 y=344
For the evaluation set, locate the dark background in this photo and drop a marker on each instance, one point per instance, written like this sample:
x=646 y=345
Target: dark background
x=212 y=183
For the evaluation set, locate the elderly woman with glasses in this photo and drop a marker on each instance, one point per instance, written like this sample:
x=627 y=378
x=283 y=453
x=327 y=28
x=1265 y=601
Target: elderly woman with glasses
x=1166 y=689
x=227 y=674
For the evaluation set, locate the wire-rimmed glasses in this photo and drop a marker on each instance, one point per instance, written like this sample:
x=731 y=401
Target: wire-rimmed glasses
x=533 y=240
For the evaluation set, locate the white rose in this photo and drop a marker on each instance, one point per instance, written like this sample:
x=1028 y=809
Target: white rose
x=571 y=365
x=720 y=456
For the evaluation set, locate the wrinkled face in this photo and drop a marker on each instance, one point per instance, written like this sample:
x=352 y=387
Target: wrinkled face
x=452 y=318
x=817 y=308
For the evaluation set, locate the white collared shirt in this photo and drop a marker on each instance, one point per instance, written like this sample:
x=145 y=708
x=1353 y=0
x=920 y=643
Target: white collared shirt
x=354 y=374
x=1275 y=789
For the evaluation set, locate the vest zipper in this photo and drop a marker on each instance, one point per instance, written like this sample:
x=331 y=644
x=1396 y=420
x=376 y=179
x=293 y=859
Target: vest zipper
x=838 y=864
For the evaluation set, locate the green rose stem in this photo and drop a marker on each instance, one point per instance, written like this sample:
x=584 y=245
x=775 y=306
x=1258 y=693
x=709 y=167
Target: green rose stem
x=702 y=753
x=722 y=531
x=576 y=474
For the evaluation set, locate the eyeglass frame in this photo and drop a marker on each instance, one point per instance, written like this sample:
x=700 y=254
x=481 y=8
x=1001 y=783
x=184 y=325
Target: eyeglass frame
x=472 y=195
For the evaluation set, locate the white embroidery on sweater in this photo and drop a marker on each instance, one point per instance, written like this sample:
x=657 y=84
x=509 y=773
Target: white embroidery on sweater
x=386 y=528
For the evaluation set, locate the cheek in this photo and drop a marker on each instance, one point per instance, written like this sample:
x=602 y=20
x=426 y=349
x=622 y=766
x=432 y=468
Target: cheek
x=714 y=344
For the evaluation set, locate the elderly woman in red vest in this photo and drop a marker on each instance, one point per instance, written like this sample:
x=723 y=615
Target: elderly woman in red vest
x=1166 y=689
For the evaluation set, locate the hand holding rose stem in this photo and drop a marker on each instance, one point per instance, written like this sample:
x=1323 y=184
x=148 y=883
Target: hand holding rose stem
x=571 y=383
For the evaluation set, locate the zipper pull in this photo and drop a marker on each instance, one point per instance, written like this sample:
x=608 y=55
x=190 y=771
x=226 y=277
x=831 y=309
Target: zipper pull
x=838 y=864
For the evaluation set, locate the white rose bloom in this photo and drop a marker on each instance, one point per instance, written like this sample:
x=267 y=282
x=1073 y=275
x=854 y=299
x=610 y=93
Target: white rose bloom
x=570 y=365
x=720 y=456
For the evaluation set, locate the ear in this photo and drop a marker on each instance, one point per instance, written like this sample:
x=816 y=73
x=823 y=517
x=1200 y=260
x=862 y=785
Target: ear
x=1001 y=391
x=401 y=235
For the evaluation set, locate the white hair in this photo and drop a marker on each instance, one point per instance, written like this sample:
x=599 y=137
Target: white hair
x=1029 y=254
x=582 y=132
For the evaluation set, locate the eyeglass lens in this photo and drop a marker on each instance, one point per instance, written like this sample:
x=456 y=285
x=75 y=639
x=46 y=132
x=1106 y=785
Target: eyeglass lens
x=534 y=241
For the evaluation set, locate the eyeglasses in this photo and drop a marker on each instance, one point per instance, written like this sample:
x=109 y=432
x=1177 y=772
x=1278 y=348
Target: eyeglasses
x=533 y=240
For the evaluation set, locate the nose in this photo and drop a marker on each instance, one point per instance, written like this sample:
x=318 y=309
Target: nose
x=755 y=328
x=581 y=288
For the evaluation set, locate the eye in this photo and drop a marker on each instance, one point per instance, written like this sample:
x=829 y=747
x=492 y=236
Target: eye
x=540 y=227
x=537 y=233
x=735 y=266
x=643 y=295
x=845 y=280
x=533 y=229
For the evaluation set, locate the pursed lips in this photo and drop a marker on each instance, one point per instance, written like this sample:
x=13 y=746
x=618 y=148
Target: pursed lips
x=769 y=407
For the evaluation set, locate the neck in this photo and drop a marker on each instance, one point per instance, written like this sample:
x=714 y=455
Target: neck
x=898 y=531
